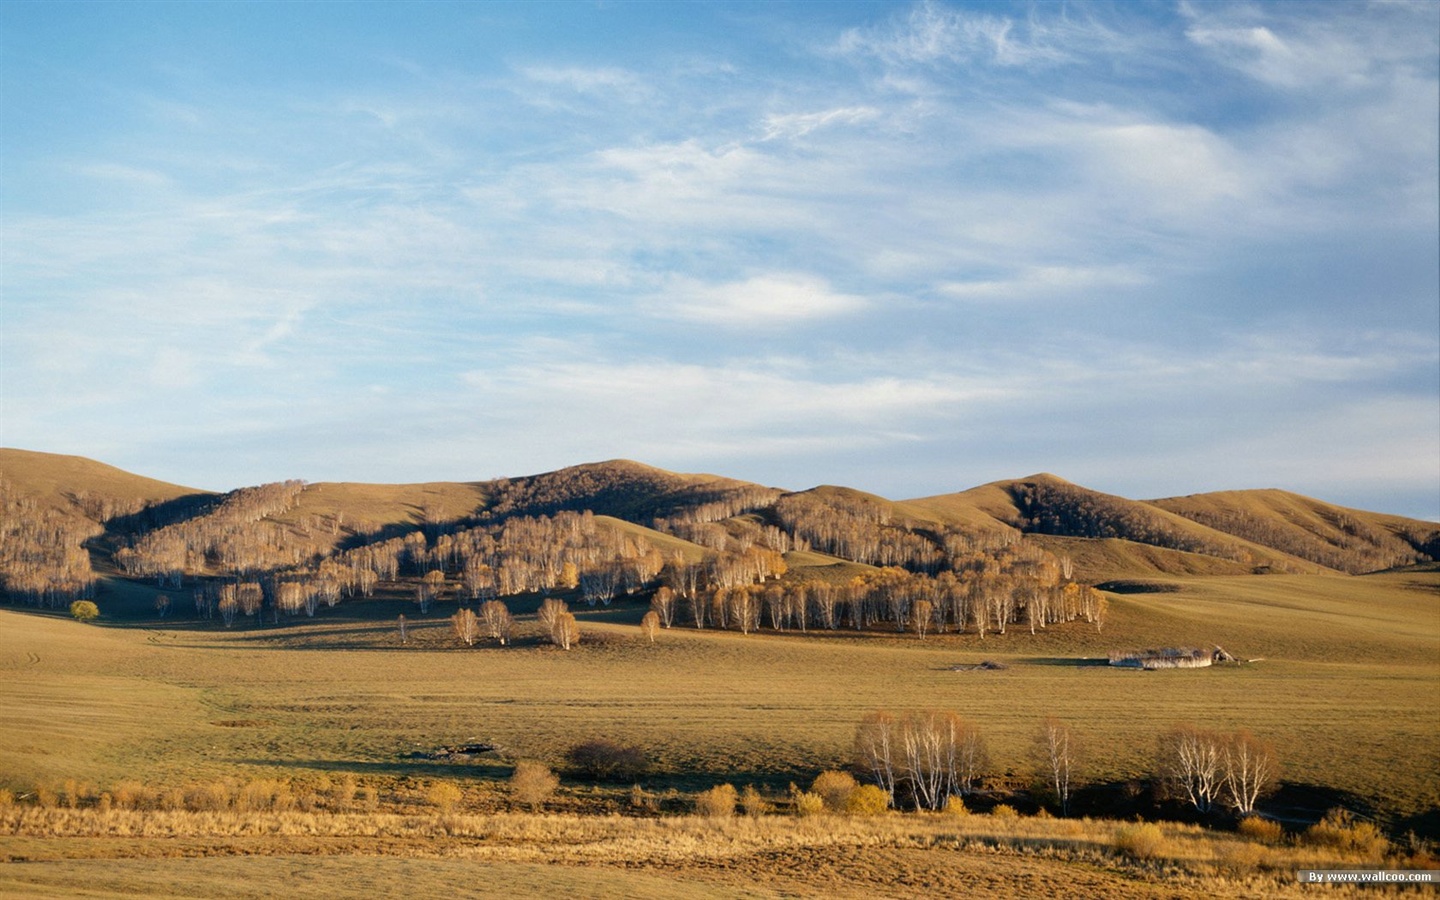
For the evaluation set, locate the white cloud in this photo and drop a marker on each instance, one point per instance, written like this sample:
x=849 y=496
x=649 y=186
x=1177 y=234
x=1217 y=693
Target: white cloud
x=1353 y=49
x=1046 y=282
x=932 y=34
x=796 y=125
x=764 y=301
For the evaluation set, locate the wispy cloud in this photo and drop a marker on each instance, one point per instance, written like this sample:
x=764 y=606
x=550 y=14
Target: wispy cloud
x=976 y=239
x=763 y=301
x=932 y=33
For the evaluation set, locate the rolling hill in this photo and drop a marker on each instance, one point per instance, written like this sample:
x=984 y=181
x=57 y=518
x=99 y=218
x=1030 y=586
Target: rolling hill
x=55 y=505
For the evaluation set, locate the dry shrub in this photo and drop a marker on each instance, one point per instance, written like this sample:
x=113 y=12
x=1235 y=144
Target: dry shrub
x=208 y=797
x=870 y=800
x=263 y=794
x=104 y=802
x=1340 y=832
x=342 y=792
x=754 y=804
x=1142 y=840
x=1260 y=829
x=955 y=806
x=129 y=795
x=369 y=799
x=717 y=803
x=172 y=799
x=605 y=760
x=1004 y=811
x=834 y=789
x=72 y=793
x=7 y=798
x=444 y=795
x=807 y=803
x=1240 y=858
x=532 y=782
x=641 y=798
x=46 y=798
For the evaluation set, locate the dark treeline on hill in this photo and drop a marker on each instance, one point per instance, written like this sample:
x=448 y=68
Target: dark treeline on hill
x=710 y=551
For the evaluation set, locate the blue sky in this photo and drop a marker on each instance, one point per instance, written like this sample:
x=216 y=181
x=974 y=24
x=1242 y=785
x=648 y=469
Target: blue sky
x=1155 y=248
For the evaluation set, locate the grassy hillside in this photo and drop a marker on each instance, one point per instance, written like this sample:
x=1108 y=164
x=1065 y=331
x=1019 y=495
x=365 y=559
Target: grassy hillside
x=1349 y=540
x=65 y=483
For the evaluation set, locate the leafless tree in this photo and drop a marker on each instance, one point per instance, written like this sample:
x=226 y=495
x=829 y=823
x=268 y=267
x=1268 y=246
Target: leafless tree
x=497 y=619
x=549 y=614
x=663 y=603
x=1191 y=763
x=1250 y=769
x=467 y=625
x=1058 y=750
x=567 y=631
x=876 y=749
x=650 y=625
x=920 y=617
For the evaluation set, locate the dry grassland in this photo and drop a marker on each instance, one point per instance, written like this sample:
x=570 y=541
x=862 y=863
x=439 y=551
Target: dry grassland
x=603 y=856
x=1346 y=692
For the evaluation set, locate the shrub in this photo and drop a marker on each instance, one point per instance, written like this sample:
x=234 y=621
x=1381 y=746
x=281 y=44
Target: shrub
x=84 y=610
x=444 y=795
x=209 y=797
x=532 y=782
x=641 y=798
x=1340 y=832
x=129 y=794
x=954 y=806
x=1142 y=840
x=1240 y=858
x=605 y=760
x=834 y=789
x=342 y=792
x=808 y=804
x=870 y=800
x=1004 y=811
x=1260 y=829
x=754 y=804
x=717 y=803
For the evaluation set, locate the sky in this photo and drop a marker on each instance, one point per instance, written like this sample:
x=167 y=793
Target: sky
x=1155 y=248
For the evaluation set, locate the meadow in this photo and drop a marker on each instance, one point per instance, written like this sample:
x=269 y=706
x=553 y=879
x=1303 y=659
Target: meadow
x=1344 y=687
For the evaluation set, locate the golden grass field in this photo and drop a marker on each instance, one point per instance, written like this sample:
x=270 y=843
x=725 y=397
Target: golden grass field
x=1346 y=691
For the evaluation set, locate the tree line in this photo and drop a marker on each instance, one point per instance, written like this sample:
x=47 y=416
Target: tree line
x=924 y=758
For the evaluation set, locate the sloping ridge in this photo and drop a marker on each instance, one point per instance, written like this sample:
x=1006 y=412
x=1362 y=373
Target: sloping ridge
x=77 y=485
x=1058 y=511
x=1337 y=537
x=620 y=488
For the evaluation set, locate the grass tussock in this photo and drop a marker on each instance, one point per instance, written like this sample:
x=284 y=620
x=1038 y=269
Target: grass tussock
x=1142 y=840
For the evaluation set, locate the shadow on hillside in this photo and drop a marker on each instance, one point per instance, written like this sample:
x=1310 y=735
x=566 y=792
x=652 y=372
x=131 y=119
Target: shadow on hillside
x=1074 y=662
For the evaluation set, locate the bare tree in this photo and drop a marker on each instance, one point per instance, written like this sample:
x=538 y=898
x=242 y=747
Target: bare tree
x=920 y=615
x=497 y=620
x=1250 y=769
x=404 y=638
x=650 y=625
x=876 y=749
x=1191 y=764
x=663 y=603
x=1058 y=751
x=549 y=613
x=467 y=625
x=567 y=631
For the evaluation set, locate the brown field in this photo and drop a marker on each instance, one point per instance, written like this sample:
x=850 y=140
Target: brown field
x=1345 y=690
